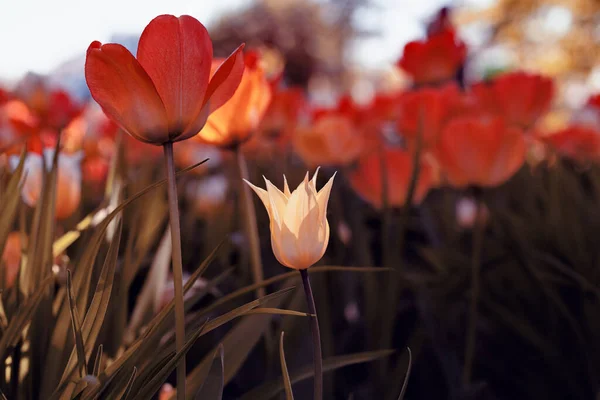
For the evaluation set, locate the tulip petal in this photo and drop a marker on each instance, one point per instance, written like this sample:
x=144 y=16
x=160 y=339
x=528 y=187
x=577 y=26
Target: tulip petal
x=225 y=80
x=313 y=181
x=125 y=92
x=286 y=188
x=262 y=194
x=278 y=199
x=323 y=196
x=177 y=53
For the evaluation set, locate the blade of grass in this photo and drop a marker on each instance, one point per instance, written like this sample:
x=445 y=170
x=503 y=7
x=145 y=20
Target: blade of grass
x=271 y=389
x=79 y=346
x=213 y=384
x=287 y=384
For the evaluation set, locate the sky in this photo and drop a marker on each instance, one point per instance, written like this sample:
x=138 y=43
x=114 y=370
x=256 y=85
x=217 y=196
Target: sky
x=39 y=35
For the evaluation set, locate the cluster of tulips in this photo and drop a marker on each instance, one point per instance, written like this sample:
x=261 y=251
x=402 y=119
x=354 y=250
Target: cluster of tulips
x=391 y=151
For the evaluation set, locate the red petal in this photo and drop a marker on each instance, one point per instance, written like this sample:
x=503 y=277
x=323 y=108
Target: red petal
x=225 y=80
x=125 y=92
x=177 y=53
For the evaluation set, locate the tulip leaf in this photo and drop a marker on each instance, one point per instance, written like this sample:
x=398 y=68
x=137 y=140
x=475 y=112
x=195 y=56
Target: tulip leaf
x=287 y=384
x=10 y=202
x=76 y=324
x=152 y=386
x=407 y=376
x=271 y=389
x=21 y=319
x=214 y=382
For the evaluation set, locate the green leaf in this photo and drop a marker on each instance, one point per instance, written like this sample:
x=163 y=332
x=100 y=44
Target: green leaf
x=22 y=318
x=214 y=382
x=97 y=310
x=287 y=384
x=151 y=387
x=271 y=389
x=407 y=376
x=75 y=323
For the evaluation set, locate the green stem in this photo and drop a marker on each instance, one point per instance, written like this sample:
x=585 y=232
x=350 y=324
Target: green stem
x=478 y=235
x=316 y=335
x=250 y=222
x=177 y=267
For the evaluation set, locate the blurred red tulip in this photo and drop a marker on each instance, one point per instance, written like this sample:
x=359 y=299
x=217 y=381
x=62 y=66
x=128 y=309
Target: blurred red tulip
x=282 y=114
x=4 y=96
x=17 y=123
x=578 y=142
x=436 y=59
x=366 y=177
x=166 y=94
x=331 y=140
x=521 y=98
x=233 y=123
x=480 y=151
x=594 y=101
x=426 y=111
x=11 y=258
x=68 y=185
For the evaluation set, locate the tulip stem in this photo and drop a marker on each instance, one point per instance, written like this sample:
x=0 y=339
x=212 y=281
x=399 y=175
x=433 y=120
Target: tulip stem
x=177 y=267
x=250 y=222
x=316 y=335
x=471 y=336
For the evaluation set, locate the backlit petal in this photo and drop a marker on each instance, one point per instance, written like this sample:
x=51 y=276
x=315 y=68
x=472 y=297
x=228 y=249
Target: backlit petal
x=177 y=53
x=125 y=92
x=225 y=80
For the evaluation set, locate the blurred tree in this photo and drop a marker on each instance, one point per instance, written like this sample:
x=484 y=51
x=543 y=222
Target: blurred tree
x=312 y=36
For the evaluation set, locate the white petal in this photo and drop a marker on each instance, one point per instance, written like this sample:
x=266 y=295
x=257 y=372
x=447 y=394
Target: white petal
x=262 y=194
x=323 y=196
x=286 y=188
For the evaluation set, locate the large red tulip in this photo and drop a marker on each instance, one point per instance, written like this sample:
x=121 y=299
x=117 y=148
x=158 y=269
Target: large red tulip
x=480 y=151
x=521 y=98
x=167 y=93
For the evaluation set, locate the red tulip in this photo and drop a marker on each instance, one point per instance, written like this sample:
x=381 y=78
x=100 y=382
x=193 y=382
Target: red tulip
x=519 y=97
x=480 y=151
x=578 y=142
x=366 y=177
x=166 y=94
x=426 y=111
x=435 y=59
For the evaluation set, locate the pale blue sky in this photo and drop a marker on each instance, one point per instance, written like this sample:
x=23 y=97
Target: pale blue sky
x=38 y=35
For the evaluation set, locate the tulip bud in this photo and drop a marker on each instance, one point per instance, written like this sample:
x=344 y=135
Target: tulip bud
x=299 y=227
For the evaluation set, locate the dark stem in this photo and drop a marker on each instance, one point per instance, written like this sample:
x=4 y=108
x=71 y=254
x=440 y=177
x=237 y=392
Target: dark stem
x=475 y=289
x=316 y=335
x=250 y=224
x=177 y=267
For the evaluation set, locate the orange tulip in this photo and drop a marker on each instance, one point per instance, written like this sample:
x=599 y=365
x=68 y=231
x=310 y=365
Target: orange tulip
x=166 y=94
x=519 y=97
x=436 y=59
x=578 y=142
x=240 y=117
x=331 y=140
x=480 y=151
x=11 y=258
x=68 y=186
x=366 y=177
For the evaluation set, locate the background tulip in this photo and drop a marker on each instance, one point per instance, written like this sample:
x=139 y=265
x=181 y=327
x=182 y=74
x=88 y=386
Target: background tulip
x=235 y=121
x=480 y=151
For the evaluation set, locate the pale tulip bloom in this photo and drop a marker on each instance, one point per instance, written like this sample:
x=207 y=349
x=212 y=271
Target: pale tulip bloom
x=299 y=227
x=68 y=184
